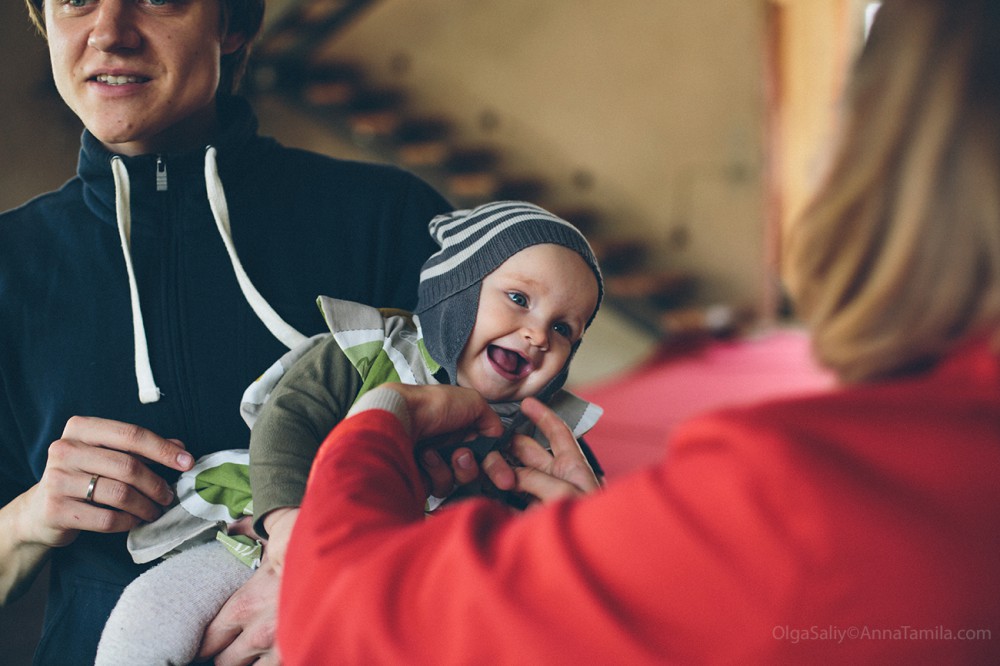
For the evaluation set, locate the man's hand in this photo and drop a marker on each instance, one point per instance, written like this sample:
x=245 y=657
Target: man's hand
x=279 y=524
x=96 y=478
x=244 y=629
x=243 y=632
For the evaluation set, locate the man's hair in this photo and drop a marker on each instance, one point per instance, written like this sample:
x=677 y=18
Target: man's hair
x=238 y=16
x=897 y=258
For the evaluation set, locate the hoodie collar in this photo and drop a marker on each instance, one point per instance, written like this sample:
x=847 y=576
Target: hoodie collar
x=204 y=181
x=238 y=127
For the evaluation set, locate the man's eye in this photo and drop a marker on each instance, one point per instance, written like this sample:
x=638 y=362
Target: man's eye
x=563 y=330
x=70 y=5
x=518 y=298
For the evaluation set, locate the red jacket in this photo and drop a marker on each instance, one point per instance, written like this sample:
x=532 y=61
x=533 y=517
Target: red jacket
x=861 y=525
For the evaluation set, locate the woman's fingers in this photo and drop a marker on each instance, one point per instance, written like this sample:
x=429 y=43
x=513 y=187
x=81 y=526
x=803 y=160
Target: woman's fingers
x=544 y=486
x=460 y=469
x=441 y=479
x=564 y=464
x=499 y=471
x=438 y=410
x=447 y=471
x=445 y=410
x=530 y=452
x=561 y=439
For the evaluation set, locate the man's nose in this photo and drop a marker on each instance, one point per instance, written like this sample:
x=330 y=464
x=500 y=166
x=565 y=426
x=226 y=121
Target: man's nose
x=114 y=27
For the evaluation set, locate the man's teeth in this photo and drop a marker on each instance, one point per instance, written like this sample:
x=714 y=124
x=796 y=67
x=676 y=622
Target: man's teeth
x=113 y=80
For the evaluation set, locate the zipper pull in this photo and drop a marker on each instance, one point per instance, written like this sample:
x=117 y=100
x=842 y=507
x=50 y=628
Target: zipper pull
x=161 y=174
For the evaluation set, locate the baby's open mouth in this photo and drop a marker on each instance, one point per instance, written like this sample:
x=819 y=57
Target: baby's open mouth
x=508 y=363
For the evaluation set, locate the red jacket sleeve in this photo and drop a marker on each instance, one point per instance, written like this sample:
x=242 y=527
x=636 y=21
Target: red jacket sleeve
x=370 y=580
x=752 y=542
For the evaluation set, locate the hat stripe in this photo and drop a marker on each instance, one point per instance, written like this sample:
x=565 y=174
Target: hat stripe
x=457 y=217
x=463 y=231
x=464 y=254
x=441 y=227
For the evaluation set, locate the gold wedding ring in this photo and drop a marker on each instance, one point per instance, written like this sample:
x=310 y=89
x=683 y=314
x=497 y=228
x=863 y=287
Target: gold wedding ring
x=89 y=497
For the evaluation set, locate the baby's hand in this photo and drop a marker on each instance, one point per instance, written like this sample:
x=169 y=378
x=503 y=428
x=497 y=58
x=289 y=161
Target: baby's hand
x=279 y=524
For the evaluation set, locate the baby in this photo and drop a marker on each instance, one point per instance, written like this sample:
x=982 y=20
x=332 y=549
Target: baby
x=502 y=308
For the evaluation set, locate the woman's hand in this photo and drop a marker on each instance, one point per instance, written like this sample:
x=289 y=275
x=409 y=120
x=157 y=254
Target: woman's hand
x=461 y=469
x=446 y=414
x=548 y=475
x=545 y=475
x=438 y=416
x=97 y=478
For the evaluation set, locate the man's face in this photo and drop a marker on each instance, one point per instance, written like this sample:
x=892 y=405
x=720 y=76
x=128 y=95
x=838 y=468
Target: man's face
x=532 y=309
x=141 y=74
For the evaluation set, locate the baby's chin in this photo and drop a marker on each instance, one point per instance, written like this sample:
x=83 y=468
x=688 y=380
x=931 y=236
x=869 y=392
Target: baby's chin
x=494 y=393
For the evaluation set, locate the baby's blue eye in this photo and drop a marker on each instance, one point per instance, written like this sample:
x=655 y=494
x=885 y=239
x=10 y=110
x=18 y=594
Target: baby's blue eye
x=563 y=330
x=518 y=298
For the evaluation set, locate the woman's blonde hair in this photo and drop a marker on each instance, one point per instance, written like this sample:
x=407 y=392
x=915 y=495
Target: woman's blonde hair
x=897 y=258
x=243 y=17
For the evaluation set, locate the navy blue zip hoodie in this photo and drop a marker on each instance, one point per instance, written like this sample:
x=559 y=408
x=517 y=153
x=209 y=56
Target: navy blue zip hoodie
x=302 y=225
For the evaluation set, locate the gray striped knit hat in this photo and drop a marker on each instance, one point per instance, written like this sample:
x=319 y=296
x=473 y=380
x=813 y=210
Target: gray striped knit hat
x=473 y=244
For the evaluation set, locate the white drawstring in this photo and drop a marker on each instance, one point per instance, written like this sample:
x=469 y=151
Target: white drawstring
x=148 y=391
x=279 y=328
